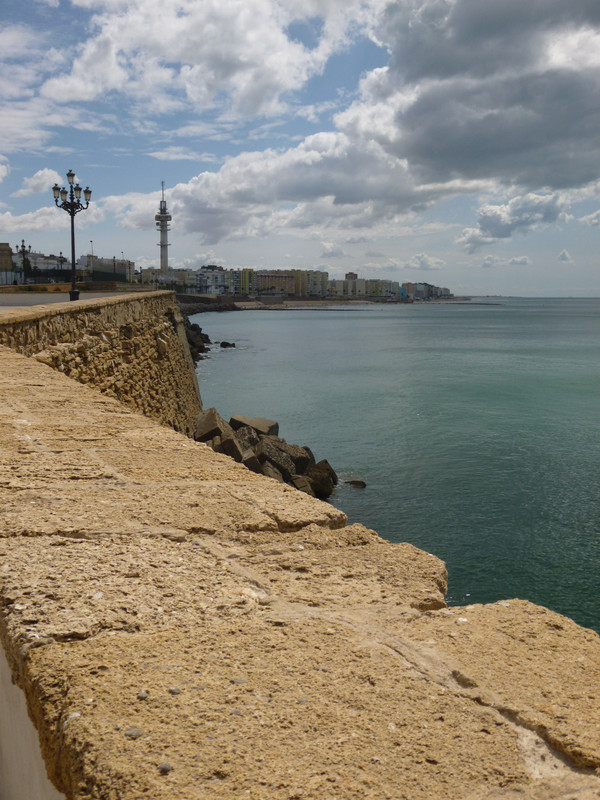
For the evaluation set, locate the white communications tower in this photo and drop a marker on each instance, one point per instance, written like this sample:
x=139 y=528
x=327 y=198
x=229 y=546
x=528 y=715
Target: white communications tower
x=162 y=223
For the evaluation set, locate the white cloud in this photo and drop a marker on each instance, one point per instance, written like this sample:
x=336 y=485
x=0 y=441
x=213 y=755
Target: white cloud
x=495 y=261
x=42 y=181
x=98 y=70
x=17 y=40
x=565 y=257
x=520 y=261
x=181 y=154
x=491 y=261
x=332 y=250
x=206 y=52
x=48 y=218
x=573 y=49
x=591 y=219
x=325 y=183
x=40 y=220
x=422 y=261
x=520 y=214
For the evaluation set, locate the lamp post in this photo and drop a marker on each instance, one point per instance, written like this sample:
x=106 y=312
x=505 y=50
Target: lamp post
x=70 y=201
x=24 y=251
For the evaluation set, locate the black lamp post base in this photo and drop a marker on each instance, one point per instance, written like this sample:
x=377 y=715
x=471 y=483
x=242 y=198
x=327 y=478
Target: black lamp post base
x=74 y=294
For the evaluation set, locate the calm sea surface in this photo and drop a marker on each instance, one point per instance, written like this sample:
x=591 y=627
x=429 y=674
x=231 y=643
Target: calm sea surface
x=476 y=427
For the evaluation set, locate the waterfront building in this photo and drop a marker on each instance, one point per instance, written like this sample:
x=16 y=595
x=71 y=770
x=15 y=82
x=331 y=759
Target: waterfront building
x=246 y=281
x=425 y=291
x=8 y=269
x=275 y=282
x=310 y=282
x=213 y=279
x=364 y=288
x=110 y=269
x=338 y=288
x=358 y=287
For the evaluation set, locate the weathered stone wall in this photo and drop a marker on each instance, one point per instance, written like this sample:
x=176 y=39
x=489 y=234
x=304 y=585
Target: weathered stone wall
x=132 y=348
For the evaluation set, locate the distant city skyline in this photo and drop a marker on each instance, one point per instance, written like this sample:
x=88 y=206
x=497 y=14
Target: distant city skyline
x=443 y=141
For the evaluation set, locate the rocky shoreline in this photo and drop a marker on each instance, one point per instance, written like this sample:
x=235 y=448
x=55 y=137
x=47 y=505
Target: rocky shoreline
x=255 y=442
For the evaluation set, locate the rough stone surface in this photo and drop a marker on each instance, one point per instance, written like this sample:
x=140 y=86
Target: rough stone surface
x=279 y=652
x=247 y=436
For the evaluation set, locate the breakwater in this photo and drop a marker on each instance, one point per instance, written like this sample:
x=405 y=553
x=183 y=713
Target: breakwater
x=181 y=627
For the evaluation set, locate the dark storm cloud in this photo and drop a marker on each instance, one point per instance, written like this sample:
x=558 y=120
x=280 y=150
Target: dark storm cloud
x=534 y=130
x=445 y=38
x=501 y=92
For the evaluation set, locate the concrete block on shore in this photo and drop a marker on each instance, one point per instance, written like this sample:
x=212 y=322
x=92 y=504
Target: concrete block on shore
x=266 y=427
x=208 y=424
x=271 y=472
x=268 y=451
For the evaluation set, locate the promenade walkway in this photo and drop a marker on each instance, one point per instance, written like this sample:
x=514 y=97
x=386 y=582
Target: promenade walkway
x=28 y=299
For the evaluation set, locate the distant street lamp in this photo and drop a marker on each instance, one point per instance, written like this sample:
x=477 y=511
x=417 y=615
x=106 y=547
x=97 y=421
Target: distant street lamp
x=25 y=264
x=72 y=206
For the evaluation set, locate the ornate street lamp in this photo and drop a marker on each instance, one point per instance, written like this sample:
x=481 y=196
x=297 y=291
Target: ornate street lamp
x=25 y=263
x=71 y=202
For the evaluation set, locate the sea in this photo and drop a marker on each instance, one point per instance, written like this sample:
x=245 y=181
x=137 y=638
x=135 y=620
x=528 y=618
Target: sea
x=475 y=425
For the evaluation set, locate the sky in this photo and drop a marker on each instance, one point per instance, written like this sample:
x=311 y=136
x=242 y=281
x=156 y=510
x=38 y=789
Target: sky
x=450 y=141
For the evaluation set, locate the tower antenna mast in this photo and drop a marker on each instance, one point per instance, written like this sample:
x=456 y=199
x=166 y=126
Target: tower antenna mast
x=162 y=223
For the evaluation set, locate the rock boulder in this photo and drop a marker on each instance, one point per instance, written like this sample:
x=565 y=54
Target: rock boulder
x=210 y=427
x=322 y=478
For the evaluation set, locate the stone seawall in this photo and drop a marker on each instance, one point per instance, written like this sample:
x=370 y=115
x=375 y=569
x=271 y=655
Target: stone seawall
x=131 y=347
x=182 y=628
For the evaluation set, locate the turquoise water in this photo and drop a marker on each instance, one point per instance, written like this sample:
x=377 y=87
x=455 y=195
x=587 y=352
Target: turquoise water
x=475 y=426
